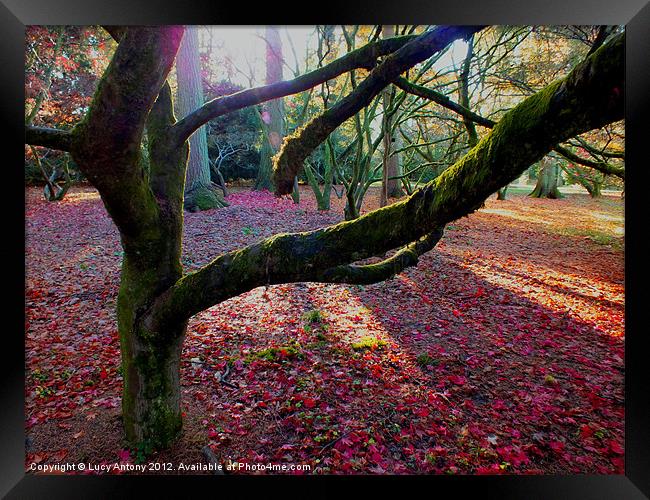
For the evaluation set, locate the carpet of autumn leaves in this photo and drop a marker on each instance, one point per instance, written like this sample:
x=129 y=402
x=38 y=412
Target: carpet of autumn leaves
x=501 y=352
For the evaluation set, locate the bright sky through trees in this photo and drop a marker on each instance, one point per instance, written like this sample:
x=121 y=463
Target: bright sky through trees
x=238 y=51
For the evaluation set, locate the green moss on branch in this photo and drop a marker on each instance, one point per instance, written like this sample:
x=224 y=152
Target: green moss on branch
x=529 y=131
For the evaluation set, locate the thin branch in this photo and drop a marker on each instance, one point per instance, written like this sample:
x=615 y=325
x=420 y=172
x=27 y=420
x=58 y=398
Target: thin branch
x=294 y=150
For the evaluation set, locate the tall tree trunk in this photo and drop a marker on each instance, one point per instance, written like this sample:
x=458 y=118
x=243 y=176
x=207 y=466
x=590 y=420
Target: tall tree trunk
x=200 y=194
x=391 y=188
x=274 y=110
x=594 y=189
x=351 y=210
x=547 y=181
x=151 y=400
x=472 y=136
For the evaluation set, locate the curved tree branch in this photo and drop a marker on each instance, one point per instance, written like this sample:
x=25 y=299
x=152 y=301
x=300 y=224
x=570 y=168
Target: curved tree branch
x=589 y=97
x=443 y=100
x=365 y=57
x=601 y=166
x=295 y=148
x=598 y=152
x=367 y=274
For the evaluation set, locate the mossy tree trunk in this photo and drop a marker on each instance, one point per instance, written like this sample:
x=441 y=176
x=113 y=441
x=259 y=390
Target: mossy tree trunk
x=265 y=169
x=273 y=115
x=595 y=189
x=155 y=301
x=547 y=181
x=391 y=187
x=151 y=399
x=151 y=403
x=351 y=210
x=200 y=193
x=592 y=183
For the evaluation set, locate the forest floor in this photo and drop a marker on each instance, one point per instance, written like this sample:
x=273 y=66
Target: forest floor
x=500 y=352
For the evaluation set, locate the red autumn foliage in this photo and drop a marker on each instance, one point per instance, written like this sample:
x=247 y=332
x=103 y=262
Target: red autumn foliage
x=519 y=311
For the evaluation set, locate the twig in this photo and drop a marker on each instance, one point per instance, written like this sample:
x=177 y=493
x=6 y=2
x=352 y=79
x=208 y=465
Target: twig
x=211 y=458
x=218 y=375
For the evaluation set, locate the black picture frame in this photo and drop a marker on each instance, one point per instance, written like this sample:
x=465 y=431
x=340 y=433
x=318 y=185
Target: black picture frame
x=635 y=14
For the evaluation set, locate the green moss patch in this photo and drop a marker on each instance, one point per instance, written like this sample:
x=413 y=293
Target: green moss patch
x=313 y=316
x=368 y=342
x=424 y=360
x=276 y=354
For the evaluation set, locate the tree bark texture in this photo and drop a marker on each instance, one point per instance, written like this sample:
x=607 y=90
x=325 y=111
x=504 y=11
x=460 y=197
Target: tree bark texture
x=199 y=192
x=391 y=187
x=273 y=115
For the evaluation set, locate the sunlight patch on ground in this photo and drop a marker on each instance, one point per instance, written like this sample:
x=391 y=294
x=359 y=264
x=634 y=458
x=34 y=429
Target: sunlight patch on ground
x=600 y=220
x=514 y=215
x=81 y=196
x=354 y=323
x=582 y=298
x=602 y=216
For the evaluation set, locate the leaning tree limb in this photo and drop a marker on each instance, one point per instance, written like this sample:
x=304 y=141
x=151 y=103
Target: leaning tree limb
x=364 y=57
x=296 y=147
x=367 y=274
x=601 y=166
x=589 y=97
x=443 y=100
x=599 y=152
